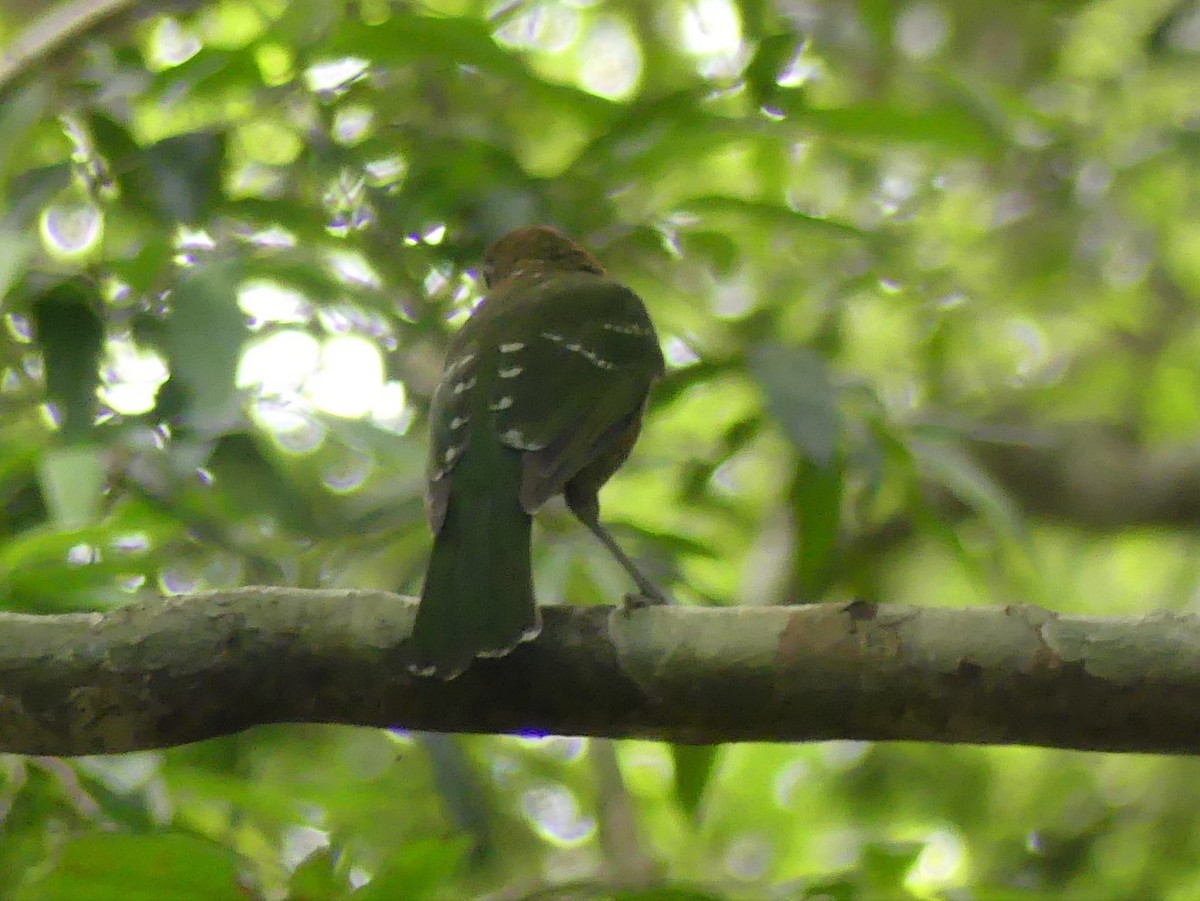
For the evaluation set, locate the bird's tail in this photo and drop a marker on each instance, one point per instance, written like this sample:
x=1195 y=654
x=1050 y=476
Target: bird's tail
x=478 y=595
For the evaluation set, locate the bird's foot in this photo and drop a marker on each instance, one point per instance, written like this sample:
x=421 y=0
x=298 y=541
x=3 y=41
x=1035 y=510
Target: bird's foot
x=645 y=597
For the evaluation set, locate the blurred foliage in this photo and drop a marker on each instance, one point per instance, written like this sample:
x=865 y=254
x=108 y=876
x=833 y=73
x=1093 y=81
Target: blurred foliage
x=234 y=237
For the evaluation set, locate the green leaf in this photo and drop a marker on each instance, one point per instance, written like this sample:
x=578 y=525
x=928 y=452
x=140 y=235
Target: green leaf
x=108 y=866
x=177 y=179
x=457 y=780
x=306 y=24
x=817 y=506
x=317 y=878
x=116 y=145
x=72 y=481
x=129 y=810
x=837 y=889
x=654 y=137
x=694 y=765
x=32 y=189
x=71 y=335
x=801 y=398
x=462 y=43
x=17 y=244
x=719 y=249
x=187 y=173
x=417 y=870
x=18 y=115
x=948 y=126
x=772 y=56
x=249 y=482
x=879 y=17
x=948 y=465
x=772 y=215
x=667 y=893
x=886 y=865
x=203 y=337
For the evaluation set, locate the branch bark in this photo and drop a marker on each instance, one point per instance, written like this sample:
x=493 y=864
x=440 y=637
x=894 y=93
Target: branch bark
x=54 y=32
x=165 y=672
x=1098 y=477
x=62 y=27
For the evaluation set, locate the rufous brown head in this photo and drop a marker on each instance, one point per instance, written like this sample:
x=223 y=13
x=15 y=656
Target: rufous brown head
x=535 y=248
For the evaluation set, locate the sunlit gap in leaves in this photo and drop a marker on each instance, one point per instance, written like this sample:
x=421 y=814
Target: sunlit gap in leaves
x=749 y=856
x=214 y=570
x=188 y=241
x=711 y=31
x=611 y=60
x=171 y=44
x=346 y=200
x=348 y=473
x=553 y=812
x=330 y=78
x=941 y=865
x=352 y=269
x=19 y=327
x=387 y=172
x=921 y=31
x=559 y=747
x=600 y=50
x=352 y=124
x=342 y=375
x=71 y=228
x=300 y=843
x=647 y=768
x=130 y=376
x=267 y=302
x=347 y=319
x=679 y=353
x=548 y=27
x=292 y=372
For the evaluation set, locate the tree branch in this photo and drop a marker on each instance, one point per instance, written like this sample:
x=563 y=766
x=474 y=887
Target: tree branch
x=54 y=31
x=61 y=29
x=165 y=672
x=1098 y=477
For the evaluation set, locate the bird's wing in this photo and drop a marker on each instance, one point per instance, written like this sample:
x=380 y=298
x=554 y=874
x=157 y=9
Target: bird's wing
x=449 y=415
x=576 y=356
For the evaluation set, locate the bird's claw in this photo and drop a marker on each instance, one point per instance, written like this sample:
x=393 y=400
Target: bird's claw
x=645 y=598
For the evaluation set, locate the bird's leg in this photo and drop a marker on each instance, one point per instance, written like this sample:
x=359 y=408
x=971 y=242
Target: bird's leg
x=588 y=512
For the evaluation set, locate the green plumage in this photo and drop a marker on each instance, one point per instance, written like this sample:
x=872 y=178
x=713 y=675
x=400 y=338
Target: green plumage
x=478 y=595
x=542 y=394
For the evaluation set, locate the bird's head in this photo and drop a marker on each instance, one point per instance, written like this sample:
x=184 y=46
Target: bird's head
x=535 y=248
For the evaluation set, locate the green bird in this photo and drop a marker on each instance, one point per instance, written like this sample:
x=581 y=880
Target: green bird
x=542 y=394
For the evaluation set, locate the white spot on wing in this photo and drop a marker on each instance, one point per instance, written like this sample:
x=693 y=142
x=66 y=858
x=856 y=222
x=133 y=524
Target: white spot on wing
x=628 y=328
x=591 y=356
x=511 y=347
x=464 y=385
x=510 y=373
x=453 y=452
x=494 y=653
x=515 y=438
x=458 y=422
x=528 y=635
x=455 y=366
x=502 y=404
